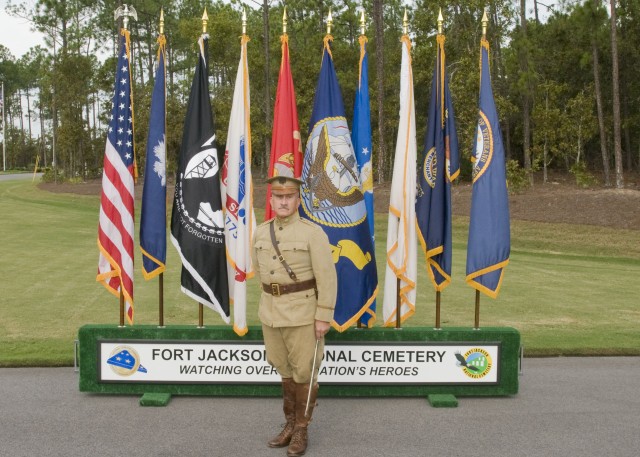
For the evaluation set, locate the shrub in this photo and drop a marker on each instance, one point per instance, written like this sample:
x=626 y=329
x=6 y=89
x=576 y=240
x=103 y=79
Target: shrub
x=583 y=177
x=517 y=178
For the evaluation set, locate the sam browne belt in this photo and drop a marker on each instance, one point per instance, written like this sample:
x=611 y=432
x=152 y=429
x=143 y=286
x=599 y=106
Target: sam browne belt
x=276 y=289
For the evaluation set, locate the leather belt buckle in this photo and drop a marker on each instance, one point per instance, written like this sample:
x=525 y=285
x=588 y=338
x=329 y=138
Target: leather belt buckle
x=275 y=289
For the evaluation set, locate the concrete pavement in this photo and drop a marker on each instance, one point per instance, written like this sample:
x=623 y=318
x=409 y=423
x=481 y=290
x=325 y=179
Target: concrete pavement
x=566 y=407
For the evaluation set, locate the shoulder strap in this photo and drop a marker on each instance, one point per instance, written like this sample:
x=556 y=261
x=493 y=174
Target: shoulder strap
x=272 y=232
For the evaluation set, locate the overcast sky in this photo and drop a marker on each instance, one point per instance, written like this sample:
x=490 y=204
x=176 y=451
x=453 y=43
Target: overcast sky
x=16 y=33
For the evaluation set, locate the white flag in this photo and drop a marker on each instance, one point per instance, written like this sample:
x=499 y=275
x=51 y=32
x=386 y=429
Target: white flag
x=402 y=246
x=237 y=195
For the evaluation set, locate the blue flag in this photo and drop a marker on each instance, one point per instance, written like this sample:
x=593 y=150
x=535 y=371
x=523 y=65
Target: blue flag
x=439 y=167
x=153 y=216
x=332 y=197
x=489 y=234
x=362 y=145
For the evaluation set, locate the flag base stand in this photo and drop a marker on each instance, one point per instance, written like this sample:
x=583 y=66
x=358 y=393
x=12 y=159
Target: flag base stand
x=439 y=365
x=155 y=399
x=443 y=401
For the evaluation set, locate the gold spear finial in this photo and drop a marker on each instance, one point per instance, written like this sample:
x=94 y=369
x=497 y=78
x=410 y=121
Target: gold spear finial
x=205 y=21
x=405 y=23
x=362 y=22
x=284 y=21
x=440 y=22
x=161 y=21
x=244 y=21
x=485 y=21
x=329 y=22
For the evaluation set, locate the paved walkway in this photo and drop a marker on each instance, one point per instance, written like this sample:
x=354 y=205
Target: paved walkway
x=566 y=407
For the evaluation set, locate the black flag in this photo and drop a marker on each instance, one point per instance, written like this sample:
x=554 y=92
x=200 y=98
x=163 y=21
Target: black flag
x=197 y=222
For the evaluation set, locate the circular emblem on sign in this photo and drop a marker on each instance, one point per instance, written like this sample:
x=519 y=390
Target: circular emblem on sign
x=476 y=363
x=124 y=360
x=484 y=147
x=331 y=192
x=430 y=167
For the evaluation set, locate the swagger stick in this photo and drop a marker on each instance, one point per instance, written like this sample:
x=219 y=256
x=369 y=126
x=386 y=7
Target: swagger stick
x=313 y=370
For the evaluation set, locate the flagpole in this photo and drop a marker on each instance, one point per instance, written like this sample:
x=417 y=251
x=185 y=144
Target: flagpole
x=362 y=30
x=398 y=305
x=121 y=307
x=405 y=28
x=205 y=21
x=161 y=276
x=4 y=135
x=485 y=22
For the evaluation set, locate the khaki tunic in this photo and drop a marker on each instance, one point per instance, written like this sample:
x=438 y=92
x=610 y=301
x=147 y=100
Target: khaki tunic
x=306 y=249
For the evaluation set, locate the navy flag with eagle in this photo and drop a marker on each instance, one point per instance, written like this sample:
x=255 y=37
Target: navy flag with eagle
x=438 y=168
x=332 y=197
x=197 y=222
x=489 y=243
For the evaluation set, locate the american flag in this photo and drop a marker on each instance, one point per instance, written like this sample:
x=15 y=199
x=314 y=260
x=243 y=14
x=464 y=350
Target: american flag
x=115 y=231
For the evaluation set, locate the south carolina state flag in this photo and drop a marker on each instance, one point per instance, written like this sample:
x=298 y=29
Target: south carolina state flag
x=153 y=216
x=438 y=168
x=489 y=233
x=402 y=255
x=237 y=195
x=332 y=197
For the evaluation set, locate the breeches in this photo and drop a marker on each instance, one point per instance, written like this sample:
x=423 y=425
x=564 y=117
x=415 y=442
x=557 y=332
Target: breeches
x=291 y=351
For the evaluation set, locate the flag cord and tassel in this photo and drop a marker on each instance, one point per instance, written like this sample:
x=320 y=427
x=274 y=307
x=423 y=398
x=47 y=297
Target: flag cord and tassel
x=477 y=317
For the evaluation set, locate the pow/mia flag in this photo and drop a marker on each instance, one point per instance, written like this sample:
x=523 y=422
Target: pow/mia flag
x=197 y=222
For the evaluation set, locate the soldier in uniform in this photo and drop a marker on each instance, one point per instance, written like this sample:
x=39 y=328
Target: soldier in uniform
x=292 y=257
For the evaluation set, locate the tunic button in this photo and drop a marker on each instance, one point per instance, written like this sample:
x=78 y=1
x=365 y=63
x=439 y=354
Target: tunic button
x=274 y=257
x=271 y=272
x=280 y=228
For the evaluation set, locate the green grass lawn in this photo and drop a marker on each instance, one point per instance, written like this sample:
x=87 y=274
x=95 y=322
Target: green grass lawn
x=569 y=289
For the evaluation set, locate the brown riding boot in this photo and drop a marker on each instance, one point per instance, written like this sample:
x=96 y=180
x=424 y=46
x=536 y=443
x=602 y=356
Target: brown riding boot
x=299 y=439
x=289 y=408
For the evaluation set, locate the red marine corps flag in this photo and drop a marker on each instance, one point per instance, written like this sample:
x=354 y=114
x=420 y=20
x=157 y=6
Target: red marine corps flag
x=286 y=148
x=115 y=229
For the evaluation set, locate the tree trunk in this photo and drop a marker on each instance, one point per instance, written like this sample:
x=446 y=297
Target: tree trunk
x=603 y=135
x=379 y=26
x=617 y=140
x=29 y=114
x=43 y=145
x=526 y=103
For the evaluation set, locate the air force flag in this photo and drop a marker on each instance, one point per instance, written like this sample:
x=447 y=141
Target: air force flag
x=332 y=197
